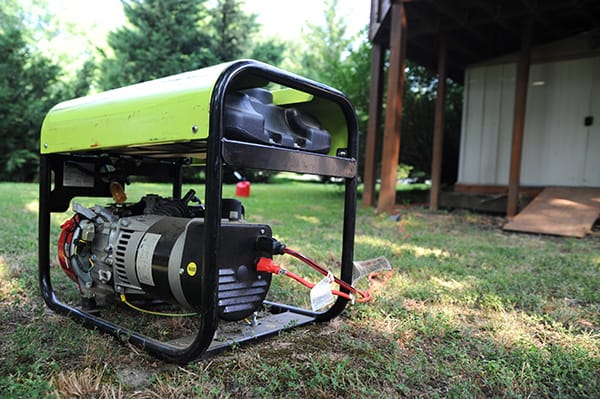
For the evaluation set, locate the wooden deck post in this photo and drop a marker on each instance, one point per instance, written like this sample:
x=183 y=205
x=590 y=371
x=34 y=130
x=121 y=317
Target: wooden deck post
x=373 y=134
x=514 y=177
x=393 y=114
x=438 y=127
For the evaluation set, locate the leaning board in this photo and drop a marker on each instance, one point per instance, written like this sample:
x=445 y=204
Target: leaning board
x=563 y=211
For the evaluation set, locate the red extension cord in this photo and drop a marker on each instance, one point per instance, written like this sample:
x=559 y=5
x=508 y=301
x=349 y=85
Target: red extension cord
x=353 y=294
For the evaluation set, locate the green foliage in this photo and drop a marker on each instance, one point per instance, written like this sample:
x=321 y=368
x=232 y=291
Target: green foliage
x=269 y=51
x=30 y=87
x=354 y=80
x=417 y=122
x=232 y=30
x=32 y=84
x=163 y=37
x=32 y=16
x=325 y=47
x=83 y=80
x=328 y=56
x=403 y=171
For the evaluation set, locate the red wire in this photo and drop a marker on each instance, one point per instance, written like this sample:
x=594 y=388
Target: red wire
x=311 y=285
x=364 y=296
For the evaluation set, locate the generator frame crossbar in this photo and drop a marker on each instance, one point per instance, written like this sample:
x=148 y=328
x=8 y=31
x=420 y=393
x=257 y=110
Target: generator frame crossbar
x=165 y=161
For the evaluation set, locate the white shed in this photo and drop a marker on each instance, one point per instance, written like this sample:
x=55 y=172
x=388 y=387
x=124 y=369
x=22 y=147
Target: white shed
x=561 y=138
x=528 y=118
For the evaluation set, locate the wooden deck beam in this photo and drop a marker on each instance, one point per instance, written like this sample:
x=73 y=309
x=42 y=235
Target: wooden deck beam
x=393 y=114
x=438 y=126
x=373 y=131
x=514 y=177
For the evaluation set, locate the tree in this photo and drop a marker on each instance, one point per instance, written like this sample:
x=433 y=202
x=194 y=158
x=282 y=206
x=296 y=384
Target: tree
x=164 y=37
x=62 y=42
x=30 y=87
x=352 y=76
x=33 y=16
x=269 y=51
x=326 y=47
x=232 y=30
x=328 y=56
x=233 y=35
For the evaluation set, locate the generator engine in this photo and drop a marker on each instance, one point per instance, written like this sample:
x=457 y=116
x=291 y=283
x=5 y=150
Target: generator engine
x=152 y=250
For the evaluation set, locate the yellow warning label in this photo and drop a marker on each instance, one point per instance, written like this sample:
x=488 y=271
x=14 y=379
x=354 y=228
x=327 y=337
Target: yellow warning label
x=192 y=269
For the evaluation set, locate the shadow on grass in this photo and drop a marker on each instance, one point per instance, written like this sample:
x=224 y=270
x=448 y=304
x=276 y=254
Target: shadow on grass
x=470 y=312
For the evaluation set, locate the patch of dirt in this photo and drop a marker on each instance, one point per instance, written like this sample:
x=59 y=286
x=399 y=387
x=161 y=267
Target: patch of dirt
x=134 y=378
x=413 y=305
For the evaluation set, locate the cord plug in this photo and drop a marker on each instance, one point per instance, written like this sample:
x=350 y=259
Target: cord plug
x=269 y=245
x=267 y=265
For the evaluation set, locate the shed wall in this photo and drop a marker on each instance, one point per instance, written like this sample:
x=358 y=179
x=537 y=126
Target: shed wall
x=558 y=149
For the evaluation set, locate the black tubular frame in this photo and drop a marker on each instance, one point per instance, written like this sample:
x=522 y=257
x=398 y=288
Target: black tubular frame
x=218 y=149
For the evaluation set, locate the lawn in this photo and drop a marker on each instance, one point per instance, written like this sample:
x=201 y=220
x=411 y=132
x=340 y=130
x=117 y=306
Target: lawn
x=470 y=311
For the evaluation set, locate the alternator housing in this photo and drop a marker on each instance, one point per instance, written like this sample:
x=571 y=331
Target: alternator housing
x=161 y=257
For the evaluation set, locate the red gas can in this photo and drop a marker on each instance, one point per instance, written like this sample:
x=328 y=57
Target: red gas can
x=242 y=189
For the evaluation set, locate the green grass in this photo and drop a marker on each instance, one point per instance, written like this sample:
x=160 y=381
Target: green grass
x=471 y=311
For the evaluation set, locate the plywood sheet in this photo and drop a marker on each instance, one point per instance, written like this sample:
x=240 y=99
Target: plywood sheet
x=562 y=211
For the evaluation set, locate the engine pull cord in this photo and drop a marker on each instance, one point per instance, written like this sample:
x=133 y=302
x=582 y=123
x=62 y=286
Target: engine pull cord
x=132 y=306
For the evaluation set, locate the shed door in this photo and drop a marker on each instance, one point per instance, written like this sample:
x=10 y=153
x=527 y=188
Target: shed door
x=558 y=148
x=592 y=158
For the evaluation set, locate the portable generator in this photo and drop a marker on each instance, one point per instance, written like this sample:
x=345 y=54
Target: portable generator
x=199 y=254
